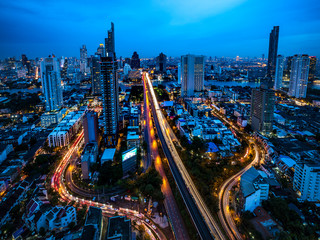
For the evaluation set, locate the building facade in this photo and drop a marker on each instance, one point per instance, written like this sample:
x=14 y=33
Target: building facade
x=192 y=74
x=95 y=75
x=312 y=68
x=91 y=127
x=299 y=76
x=272 y=55
x=135 y=61
x=161 y=61
x=279 y=72
x=253 y=189
x=262 y=108
x=110 y=91
x=51 y=83
x=83 y=59
x=307 y=180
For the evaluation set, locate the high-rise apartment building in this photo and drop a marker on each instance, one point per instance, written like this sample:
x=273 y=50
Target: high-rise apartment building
x=64 y=67
x=307 y=179
x=90 y=127
x=161 y=62
x=299 y=76
x=83 y=59
x=95 y=75
x=279 y=72
x=109 y=84
x=287 y=68
x=135 y=61
x=179 y=73
x=312 y=68
x=51 y=83
x=192 y=74
x=272 y=55
x=262 y=108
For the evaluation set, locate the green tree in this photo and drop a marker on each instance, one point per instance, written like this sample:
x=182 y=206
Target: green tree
x=42 y=231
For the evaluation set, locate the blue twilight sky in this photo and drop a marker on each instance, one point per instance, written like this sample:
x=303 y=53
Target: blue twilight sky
x=175 y=27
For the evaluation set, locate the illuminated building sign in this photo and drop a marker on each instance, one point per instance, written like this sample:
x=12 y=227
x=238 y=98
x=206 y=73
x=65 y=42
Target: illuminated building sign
x=129 y=154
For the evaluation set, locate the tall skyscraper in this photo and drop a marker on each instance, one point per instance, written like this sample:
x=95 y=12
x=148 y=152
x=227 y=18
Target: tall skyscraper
x=83 y=59
x=135 y=61
x=51 y=83
x=179 y=73
x=91 y=127
x=192 y=74
x=110 y=90
x=272 y=55
x=161 y=62
x=299 y=76
x=287 y=68
x=262 y=108
x=64 y=67
x=95 y=75
x=279 y=72
x=312 y=68
x=109 y=42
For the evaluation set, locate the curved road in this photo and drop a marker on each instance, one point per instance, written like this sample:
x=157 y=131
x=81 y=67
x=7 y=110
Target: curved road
x=224 y=194
x=58 y=184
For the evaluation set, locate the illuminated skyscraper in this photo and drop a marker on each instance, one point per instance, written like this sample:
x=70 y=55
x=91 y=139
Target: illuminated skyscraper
x=64 y=67
x=110 y=96
x=272 y=56
x=51 y=83
x=83 y=59
x=312 y=68
x=299 y=76
x=279 y=72
x=179 y=73
x=192 y=74
x=95 y=75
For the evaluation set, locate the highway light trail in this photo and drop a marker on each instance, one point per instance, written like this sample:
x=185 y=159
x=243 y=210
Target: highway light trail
x=224 y=213
x=58 y=184
x=206 y=215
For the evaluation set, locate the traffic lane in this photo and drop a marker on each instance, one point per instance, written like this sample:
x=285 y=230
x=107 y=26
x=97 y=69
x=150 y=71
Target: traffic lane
x=191 y=206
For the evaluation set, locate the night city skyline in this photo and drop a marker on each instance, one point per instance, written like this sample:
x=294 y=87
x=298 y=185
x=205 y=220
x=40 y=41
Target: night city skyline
x=160 y=120
x=223 y=28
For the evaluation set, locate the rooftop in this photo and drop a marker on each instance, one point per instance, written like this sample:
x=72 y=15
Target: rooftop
x=119 y=226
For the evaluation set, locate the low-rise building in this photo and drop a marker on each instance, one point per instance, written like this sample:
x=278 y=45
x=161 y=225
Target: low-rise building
x=108 y=155
x=62 y=134
x=129 y=161
x=93 y=225
x=53 y=117
x=4 y=151
x=89 y=156
x=119 y=227
x=253 y=190
x=42 y=215
x=133 y=139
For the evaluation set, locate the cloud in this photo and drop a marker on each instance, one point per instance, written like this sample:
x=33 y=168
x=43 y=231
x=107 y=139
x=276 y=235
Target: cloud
x=189 y=11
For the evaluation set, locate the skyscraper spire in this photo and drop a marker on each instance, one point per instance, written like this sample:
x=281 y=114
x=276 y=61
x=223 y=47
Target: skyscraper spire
x=109 y=42
x=272 y=55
